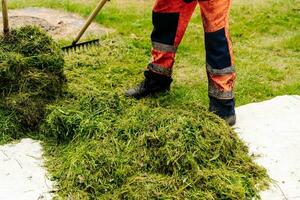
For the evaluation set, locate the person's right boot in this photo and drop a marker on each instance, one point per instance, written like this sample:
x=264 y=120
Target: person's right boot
x=225 y=109
x=151 y=85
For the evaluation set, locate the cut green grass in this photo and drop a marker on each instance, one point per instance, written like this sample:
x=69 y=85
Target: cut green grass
x=31 y=74
x=100 y=145
x=112 y=148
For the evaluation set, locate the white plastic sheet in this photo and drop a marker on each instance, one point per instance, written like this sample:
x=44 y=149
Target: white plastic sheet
x=22 y=175
x=271 y=129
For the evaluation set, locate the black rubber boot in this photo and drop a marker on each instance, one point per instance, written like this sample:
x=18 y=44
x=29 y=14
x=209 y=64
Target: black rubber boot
x=225 y=109
x=152 y=84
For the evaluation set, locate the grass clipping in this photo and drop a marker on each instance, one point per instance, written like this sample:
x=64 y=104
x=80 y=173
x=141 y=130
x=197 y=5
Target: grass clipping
x=31 y=74
x=121 y=150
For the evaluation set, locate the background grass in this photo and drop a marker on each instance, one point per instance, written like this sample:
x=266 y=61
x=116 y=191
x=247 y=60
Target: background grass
x=266 y=43
x=265 y=36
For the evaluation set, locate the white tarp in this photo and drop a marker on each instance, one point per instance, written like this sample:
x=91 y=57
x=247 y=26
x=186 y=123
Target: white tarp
x=271 y=129
x=22 y=176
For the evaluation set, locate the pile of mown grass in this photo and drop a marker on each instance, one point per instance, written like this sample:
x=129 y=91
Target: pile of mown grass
x=121 y=149
x=31 y=74
x=9 y=129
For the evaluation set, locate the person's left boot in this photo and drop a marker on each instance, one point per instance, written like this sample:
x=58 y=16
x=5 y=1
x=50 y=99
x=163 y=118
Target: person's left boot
x=151 y=85
x=225 y=109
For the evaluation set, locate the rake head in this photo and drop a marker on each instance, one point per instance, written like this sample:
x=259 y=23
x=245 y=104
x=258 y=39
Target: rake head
x=80 y=46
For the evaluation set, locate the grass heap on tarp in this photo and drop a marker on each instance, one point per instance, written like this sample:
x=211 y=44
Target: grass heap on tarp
x=130 y=150
x=31 y=74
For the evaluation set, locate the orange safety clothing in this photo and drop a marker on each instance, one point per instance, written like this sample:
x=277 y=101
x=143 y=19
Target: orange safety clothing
x=170 y=20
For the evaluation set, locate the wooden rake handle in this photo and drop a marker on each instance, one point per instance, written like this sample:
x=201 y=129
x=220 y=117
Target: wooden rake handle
x=90 y=19
x=5 y=17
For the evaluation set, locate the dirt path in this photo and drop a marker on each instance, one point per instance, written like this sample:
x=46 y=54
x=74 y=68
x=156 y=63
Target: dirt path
x=58 y=23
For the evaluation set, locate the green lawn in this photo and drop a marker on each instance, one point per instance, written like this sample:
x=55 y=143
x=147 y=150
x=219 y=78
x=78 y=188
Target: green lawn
x=266 y=37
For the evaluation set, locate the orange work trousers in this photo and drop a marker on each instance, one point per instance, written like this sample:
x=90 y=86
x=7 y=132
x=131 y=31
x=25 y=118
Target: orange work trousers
x=170 y=19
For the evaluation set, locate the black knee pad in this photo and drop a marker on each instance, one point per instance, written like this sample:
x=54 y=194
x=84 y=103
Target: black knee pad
x=217 y=49
x=165 y=27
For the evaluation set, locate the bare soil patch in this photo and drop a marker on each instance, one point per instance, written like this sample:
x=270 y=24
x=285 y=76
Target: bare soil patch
x=58 y=23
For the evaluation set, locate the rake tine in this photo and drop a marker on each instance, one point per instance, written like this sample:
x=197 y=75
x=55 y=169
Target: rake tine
x=75 y=45
x=80 y=46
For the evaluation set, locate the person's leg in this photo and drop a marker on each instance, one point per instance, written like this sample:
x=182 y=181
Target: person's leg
x=170 y=20
x=219 y=58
